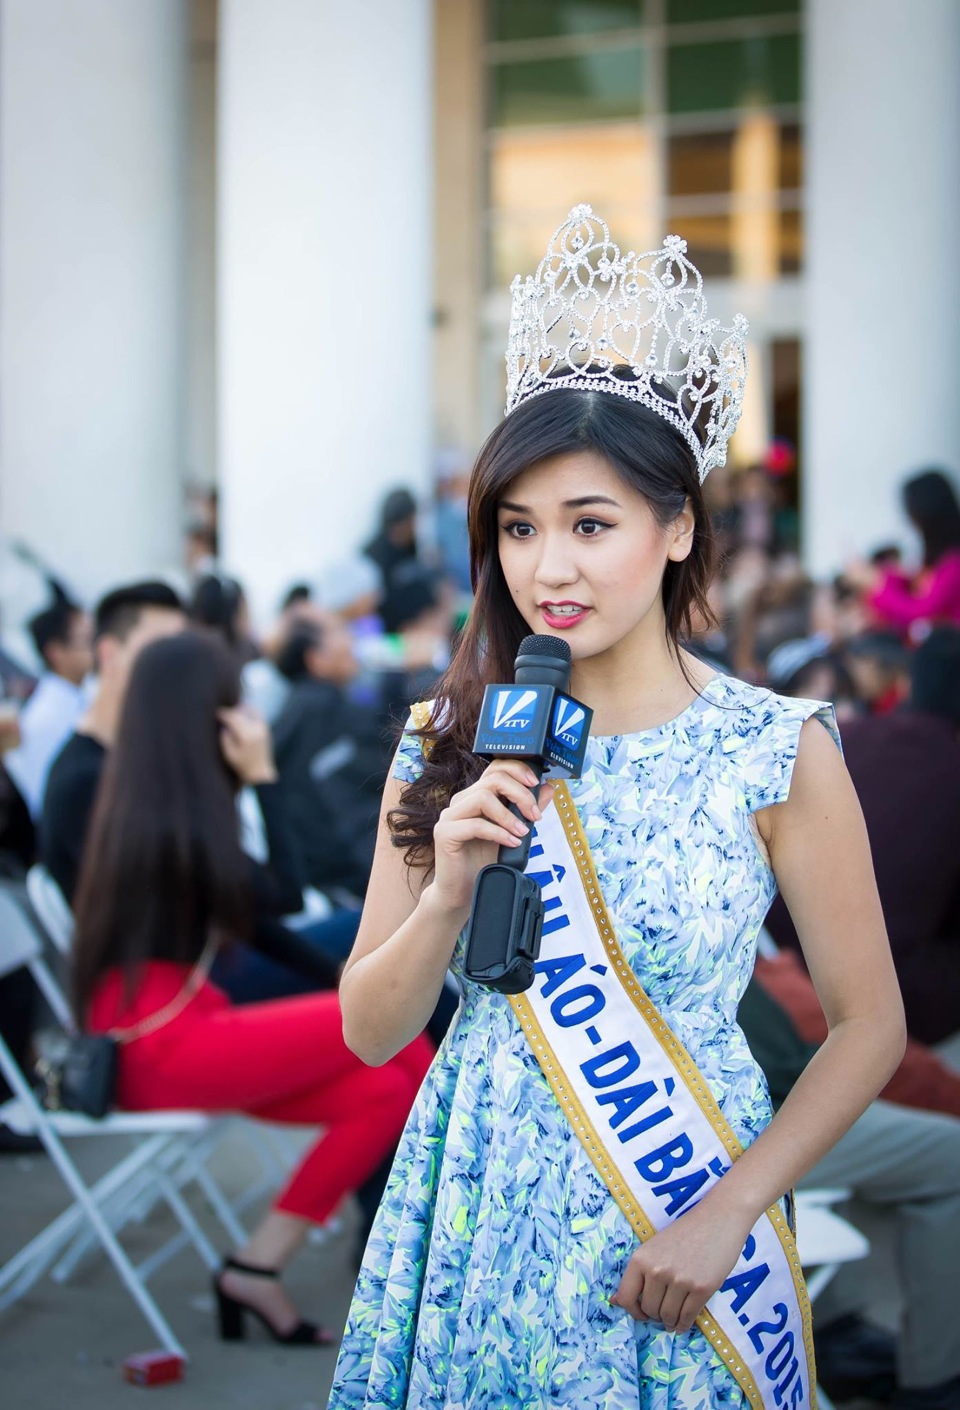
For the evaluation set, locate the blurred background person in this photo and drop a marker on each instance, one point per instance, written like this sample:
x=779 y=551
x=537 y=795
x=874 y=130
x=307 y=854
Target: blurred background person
x=903 y=1160
x=932 y=595
x=450 y=519
x=409 y=586
x=62 y=635
x=905 y=766
x=18 y=993
x=163 y=890
x=125 y=621
x=219 y=603
x=878 y=664
x=332 y=754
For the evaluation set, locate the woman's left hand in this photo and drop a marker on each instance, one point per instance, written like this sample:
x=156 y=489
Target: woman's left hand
x=246 y=746
x=670 y=1278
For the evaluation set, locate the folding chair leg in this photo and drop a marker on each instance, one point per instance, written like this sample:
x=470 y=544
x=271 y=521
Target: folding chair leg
x=32 y=1261
x=136 y=1203
x=89 y=1207
x=116 y=1254
x=188 y=1223
x=133 y=1204
x=217 y=1201
x=173 y=1246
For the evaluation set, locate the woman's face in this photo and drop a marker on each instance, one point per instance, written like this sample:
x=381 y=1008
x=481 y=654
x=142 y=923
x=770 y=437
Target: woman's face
x=583 y=555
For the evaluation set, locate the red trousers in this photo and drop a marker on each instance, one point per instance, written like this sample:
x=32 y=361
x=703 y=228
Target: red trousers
x=282 y=1061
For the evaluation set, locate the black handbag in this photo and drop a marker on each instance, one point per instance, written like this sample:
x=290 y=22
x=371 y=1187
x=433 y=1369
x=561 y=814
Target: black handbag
x=80 y=1075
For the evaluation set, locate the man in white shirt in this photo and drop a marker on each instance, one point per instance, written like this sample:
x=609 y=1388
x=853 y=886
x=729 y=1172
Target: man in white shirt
x=62 y=634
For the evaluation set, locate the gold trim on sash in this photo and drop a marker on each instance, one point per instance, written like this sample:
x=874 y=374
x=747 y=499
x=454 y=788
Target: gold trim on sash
x=586 y=1134
x=687 y=1070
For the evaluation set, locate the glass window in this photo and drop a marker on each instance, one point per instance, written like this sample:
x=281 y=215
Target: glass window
x=708 y=240
x=606 y=84
x=791 y=158
x=703 y=163
x=691 y=11
x=791 y=242
x=733 y=74
x=541 y=19
x=700 y=165
x=519 y=243
x=754 y=245
x=550 y=169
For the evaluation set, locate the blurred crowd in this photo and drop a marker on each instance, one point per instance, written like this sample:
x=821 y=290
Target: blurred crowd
x=206 y=799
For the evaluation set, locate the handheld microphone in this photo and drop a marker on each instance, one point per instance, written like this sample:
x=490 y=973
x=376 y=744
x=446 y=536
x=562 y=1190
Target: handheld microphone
x=536 y=721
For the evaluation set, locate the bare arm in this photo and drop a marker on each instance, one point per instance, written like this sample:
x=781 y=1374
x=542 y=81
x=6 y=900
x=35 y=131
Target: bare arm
x=411 y=920
x=821 y=857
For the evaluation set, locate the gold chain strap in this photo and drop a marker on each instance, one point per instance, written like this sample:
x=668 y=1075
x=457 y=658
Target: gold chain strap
x=177 y=1004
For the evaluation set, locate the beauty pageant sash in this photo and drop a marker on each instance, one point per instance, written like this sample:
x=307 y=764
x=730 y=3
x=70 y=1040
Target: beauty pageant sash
x=646 y=1117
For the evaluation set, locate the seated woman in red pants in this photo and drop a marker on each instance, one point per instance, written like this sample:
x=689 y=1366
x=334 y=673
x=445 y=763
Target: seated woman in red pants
x=164 y=885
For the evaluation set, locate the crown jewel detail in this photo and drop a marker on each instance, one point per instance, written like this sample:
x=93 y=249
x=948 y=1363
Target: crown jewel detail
x=632 y=325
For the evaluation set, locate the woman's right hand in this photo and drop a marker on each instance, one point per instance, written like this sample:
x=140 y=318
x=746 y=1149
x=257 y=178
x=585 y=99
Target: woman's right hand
x=476 y=822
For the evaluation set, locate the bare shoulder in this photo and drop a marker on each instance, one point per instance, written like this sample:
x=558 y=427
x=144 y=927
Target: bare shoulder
x=820 y=786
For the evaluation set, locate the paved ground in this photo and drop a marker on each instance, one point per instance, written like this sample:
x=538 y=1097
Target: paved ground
x=61 y=1346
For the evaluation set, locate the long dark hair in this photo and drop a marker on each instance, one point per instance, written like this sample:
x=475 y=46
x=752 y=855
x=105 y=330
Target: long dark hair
x=649 y=456
x=163 y=869
x=931 y=504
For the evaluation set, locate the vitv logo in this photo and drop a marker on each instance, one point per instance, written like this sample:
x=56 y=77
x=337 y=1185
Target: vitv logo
x=568 y=718
x=511 y=709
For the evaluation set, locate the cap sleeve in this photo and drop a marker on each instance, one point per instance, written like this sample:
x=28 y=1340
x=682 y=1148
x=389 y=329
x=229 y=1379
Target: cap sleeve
x=770 y=747
x=409 y=758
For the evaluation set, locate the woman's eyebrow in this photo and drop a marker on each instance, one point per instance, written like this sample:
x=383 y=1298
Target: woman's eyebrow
x=567 y=503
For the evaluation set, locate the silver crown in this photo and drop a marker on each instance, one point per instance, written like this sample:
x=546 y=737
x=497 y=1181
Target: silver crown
x=633 y=325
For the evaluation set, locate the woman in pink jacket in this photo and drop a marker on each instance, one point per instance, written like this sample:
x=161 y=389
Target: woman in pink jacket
x=932 y=597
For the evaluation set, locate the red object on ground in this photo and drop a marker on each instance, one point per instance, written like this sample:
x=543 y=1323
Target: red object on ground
x=153 y=1368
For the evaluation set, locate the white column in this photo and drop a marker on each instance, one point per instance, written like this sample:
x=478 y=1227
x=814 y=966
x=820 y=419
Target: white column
x=91 y=103
x=883 y=215
x=324 y=224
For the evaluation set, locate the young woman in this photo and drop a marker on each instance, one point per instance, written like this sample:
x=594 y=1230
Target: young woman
x=506 y=1267
x=164 y=886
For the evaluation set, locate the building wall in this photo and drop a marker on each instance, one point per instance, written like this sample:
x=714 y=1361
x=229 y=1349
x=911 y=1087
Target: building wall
x=459 y=181
x=200 y=331
x=91 y=267
x=883 y=336
x=324 y=247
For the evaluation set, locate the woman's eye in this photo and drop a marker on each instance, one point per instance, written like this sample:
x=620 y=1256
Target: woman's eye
x=518 y=529
x=589 y=528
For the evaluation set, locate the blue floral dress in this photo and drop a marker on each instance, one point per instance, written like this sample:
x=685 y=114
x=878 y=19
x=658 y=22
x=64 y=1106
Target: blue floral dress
x=486 y=1279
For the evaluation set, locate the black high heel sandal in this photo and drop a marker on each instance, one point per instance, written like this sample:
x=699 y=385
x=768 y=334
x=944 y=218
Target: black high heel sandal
x=231 y=1312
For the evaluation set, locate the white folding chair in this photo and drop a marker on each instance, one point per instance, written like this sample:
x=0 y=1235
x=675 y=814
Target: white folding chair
x=153 y=1134
x=824 y=1242
x=55 y=916
x=50 y=906
x=273 y=1152
x=169 y=1151
x=185 y=1161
